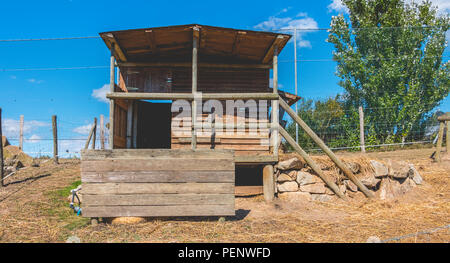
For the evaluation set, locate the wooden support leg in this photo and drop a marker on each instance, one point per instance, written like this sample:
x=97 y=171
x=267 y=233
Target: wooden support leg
x=268 y=183
x=439 y=142
x=94 y=221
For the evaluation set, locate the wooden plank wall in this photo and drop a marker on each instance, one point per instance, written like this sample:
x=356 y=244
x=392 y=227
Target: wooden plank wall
x=211 y=80
x=120 y=124
x=151 y=183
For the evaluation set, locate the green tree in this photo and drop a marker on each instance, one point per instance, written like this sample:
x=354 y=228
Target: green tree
x=389 y=59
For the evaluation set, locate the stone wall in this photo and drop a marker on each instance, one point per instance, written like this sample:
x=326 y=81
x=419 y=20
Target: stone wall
x=296 y=180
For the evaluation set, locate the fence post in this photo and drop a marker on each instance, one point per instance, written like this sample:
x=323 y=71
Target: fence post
x=55 y=139
x=102 y=132
x=439 y=142
x=21 y=133
x=1 y=150
x=447 y=140
x=95 y=133
x=361 y=129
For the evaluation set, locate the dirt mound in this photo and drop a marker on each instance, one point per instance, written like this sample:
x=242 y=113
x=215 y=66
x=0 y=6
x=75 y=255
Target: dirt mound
x=13 y=152
x=5 y=141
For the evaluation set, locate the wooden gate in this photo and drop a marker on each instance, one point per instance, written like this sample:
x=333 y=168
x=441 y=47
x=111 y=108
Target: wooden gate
x=152 y=183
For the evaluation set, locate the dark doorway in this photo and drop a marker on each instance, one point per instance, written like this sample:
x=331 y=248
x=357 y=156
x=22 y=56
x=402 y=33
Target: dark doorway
x=153 y=125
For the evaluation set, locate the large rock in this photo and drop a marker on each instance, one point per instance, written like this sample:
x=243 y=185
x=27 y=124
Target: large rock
x=290 y=164
x=380 y=169
x=317 y=188
x=284 y=178
x=295 y=196
x=287 y=187
x=415 y=175
x=399 y=170
x=392 y=188
x=351 y=186
x=304 y=178
x=5 y=141
x=370 y=181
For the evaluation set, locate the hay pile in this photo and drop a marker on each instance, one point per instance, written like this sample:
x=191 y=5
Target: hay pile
x=296 y=180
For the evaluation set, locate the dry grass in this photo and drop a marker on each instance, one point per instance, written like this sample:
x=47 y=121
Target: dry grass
x=32 y=209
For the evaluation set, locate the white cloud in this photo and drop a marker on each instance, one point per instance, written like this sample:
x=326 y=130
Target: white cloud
x=35 y=81
x=337 y=6
x=11 y=127
x=301 y=21
x=34 y=138
x=13 y=77
x=100 y=94
x=85 y=129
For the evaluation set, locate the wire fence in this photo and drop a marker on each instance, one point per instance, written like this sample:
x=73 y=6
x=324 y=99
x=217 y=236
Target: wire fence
x=338 y=128
x=38 y=138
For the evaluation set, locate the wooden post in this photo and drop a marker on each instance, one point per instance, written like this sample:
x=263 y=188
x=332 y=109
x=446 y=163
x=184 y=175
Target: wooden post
x=195 y=37
x=268 y=183
x=439 y=142
x=102 y=132
x=129 y=125
x=1 y=150
x=111 y=101
x=325 y=148
x=447 y=141
x=94 y=134
x=361 y=129
x=312 y=164
x=275 y=103
x=55 y=139
x=91 y=133
x=21 y=133
x=295 y=80
x=135 y=122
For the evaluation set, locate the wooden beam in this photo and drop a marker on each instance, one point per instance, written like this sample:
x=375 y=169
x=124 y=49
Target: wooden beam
x=275 y=104
x=195 y=37
x=199 y=65
x=112 y=85
x=325 y=148
x=312 y=164
x=268 y=56
x=115 y=46
x=190 y=96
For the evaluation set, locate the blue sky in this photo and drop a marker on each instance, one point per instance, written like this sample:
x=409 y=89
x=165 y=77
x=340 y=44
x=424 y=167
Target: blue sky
x=70 y=93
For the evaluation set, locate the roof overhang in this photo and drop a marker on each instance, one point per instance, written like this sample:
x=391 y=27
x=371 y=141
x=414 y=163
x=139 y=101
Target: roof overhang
x=174 y=44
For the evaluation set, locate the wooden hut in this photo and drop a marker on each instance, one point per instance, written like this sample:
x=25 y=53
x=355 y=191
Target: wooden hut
x=165 y=162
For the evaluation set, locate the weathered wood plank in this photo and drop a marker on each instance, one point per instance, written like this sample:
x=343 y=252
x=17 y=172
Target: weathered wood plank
x=154 y=211
x=157 y=188
x=158 y=177
x=116 y=165
x=155 y=154
x=158 y=199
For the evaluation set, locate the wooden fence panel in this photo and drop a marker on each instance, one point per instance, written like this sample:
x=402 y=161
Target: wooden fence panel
x=152 y=183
